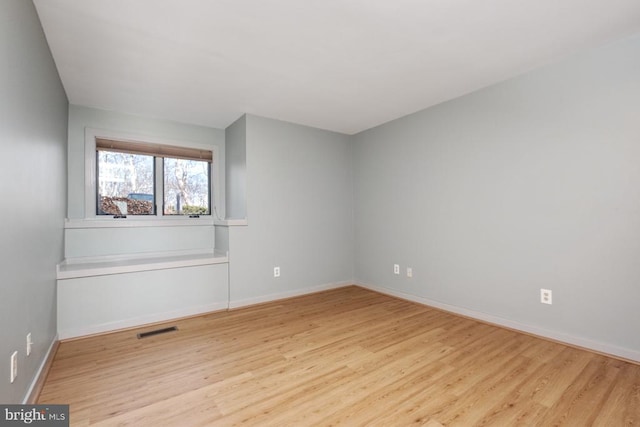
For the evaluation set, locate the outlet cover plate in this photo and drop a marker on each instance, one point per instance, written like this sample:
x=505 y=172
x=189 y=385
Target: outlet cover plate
x=14 y=366
x=546 y=296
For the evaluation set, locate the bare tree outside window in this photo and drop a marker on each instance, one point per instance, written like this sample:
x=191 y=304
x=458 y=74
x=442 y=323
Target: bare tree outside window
x=186 y=187
x=125 y=184
x=128 y=173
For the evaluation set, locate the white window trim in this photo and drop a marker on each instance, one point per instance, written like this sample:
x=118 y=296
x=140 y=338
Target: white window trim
x=158 y=219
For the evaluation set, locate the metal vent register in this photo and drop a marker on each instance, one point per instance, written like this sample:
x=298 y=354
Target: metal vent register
x=157 y=332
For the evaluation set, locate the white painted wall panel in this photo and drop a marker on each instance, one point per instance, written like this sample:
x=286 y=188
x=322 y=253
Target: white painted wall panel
x=102 y=303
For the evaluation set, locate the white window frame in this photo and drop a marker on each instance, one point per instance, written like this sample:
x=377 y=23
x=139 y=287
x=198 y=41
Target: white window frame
x=90 y=193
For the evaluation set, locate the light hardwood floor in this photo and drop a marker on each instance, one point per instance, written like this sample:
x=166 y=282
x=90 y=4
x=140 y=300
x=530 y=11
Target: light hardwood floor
x=342 y=357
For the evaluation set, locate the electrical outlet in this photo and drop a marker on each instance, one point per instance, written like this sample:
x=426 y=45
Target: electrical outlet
x=546 y=296
x=14 y=366
x=276 y=271
x=396 y=269
x=29 y=344
x=409 y=272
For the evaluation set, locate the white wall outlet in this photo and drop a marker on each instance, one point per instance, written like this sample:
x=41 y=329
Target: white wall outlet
x=409 y=272
x=14 y=366
x=276 y=271
x=546 y=296
x=29 y=344
x=396 y=269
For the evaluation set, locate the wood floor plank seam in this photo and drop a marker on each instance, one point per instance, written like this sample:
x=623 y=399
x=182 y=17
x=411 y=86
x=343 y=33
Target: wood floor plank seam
x=346 y=356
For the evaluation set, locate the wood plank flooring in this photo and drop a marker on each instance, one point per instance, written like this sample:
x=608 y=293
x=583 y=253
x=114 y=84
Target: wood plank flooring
x=343 y=357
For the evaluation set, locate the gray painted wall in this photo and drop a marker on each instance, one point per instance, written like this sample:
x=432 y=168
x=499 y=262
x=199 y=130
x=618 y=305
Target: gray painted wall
x=33 y=131
x=532 y=183
x=236 y=168
x=299 y=205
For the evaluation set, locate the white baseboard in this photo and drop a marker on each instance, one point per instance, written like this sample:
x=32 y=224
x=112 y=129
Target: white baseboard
x=288 y=294
x=621 y=352
x=193 y=311
x=36 y=377
x=140 y=321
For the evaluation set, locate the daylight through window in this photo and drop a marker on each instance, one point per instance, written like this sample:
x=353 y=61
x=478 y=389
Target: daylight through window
x=131 y=175
x=186 y=187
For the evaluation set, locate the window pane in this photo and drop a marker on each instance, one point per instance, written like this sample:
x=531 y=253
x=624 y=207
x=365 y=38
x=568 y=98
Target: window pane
x=186 y=187
x=125 y=184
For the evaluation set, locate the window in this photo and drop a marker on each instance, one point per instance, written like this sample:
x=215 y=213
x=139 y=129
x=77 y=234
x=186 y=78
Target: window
x=126 y=183
x=133 y=178
x=186 y=186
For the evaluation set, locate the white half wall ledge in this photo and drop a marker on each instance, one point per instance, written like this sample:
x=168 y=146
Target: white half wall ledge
x=289 y=294
x=582 y=343
x=119 y=264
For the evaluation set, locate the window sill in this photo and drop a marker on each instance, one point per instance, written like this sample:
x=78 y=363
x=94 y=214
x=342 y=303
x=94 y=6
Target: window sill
x=230 y=222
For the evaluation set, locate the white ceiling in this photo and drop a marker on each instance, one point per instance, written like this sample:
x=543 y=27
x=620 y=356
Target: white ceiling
x=342 y=65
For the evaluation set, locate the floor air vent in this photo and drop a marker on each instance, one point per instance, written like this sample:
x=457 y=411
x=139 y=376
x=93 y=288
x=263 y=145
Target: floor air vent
x=157 y=332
